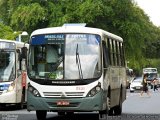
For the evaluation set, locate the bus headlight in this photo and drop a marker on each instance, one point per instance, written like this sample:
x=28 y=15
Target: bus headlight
x=8 y=88
x=94 y=90
x=98 y=88
x=11 y=87
x=33 y=91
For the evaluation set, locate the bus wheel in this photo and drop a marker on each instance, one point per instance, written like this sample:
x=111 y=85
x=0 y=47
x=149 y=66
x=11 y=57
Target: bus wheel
x=102 y=114
x=110 y=112
x=41 y=114
x=109 y=109
x=118 y=108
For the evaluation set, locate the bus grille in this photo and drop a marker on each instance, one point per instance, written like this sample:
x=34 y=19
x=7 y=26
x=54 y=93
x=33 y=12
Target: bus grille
x=65 y=94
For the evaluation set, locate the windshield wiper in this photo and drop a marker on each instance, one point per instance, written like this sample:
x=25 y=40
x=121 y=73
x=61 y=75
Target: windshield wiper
x=59 y=61
x=78 y=62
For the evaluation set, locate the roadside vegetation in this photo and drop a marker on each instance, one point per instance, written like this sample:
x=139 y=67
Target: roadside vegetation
x=121 y=17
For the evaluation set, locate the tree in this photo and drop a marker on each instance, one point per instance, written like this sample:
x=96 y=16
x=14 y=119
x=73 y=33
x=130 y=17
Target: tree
x=7 y=33
x=28 y=17
x=121 y=17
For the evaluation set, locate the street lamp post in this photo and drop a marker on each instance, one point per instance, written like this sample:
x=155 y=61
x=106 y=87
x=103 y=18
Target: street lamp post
x=24 y=33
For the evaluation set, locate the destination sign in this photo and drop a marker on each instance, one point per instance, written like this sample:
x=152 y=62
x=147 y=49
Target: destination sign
x=90 y=39
x=48 y=39
x=7 y=45
x=55 y=38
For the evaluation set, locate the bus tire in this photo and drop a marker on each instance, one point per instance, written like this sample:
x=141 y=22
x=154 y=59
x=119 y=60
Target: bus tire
x=118 y=108
x=102 y=114
x=109 y=109
x=110 y=112
x=41 y=114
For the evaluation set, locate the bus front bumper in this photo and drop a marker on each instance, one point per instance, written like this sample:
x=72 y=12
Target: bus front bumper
x=8 y=97
x=94 y=103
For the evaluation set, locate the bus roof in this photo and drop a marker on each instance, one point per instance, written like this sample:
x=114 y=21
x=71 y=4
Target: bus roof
x=150 y=70
x=18 y=44
x=75 y=29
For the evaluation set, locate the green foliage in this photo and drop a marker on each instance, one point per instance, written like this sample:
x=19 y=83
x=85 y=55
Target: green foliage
x=6 y=32
x=121 y=17
x=27 y=17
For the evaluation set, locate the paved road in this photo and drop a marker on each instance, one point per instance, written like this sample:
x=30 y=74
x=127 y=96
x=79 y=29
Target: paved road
x=135 y=104
x=134 y=108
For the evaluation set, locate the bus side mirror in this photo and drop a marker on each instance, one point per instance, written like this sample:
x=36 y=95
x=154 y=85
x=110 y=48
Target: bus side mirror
x=24 y=52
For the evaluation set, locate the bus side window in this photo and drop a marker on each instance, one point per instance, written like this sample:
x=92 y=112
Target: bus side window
x=105 y=55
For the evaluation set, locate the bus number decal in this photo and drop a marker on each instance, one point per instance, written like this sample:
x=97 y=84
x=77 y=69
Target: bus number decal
x=80 y=88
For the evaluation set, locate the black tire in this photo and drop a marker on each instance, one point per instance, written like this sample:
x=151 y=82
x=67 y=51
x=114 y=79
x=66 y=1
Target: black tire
x=41 y=114
x=109 y=109
x=102 y=114
x=118 y=108
x=110 y=112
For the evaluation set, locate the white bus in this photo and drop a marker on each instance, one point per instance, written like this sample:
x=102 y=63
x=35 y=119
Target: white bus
x=75 y=69
x=13 y=74
x=152 y=73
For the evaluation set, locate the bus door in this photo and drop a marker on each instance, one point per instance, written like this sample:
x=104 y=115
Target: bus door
x=19 y=77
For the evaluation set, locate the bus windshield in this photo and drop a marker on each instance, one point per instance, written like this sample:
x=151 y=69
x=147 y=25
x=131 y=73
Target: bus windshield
x=64 y=56
x=152 y=73
x=151 y=76
x=7 y=65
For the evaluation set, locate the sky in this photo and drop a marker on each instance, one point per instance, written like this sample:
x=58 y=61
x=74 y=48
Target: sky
x=152 y=9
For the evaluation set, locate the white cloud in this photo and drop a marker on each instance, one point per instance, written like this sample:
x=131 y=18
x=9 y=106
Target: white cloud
x=151 y=8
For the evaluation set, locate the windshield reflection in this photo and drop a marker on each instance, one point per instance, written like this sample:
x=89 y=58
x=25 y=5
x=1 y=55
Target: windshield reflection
x=58 y=58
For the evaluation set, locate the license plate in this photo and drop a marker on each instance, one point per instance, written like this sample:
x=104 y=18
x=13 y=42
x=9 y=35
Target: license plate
x=62 y=103
x=137 y=87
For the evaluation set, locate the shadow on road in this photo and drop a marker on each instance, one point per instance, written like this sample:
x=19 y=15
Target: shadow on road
x=75 y=117
x=11 y=107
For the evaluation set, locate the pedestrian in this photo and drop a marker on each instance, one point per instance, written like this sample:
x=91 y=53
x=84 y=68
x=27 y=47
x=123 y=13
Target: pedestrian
x=155 y=83
x=145 y=85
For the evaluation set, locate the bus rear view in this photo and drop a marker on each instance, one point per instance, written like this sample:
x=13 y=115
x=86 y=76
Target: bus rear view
x=151 y=73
